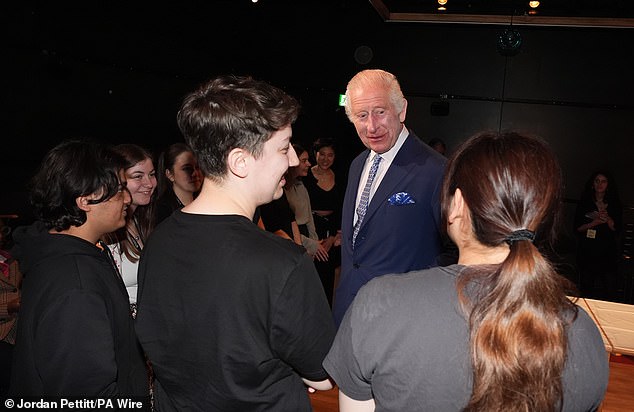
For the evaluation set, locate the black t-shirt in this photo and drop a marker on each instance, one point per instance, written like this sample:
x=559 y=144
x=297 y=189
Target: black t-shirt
x=230 y=316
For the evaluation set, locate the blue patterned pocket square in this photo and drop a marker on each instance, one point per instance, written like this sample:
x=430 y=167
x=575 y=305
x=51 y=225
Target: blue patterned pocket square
x=401 y=198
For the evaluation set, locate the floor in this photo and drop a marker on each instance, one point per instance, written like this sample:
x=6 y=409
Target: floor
x=619 y=396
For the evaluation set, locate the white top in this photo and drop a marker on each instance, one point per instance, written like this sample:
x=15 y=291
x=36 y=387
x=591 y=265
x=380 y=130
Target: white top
x=127 y=269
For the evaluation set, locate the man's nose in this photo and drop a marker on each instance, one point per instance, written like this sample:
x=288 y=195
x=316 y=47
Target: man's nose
x=372 y=123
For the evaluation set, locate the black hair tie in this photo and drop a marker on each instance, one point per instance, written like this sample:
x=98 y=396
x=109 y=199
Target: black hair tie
x=522 y=234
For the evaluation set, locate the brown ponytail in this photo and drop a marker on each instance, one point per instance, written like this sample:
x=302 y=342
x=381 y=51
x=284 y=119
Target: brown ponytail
x=517 y=311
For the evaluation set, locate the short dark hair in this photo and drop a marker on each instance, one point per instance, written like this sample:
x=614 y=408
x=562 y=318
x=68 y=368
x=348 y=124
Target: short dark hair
x=74 y=168
x=231 y=112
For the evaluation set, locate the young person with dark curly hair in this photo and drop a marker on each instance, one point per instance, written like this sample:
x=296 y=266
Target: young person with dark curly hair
x=75 y=333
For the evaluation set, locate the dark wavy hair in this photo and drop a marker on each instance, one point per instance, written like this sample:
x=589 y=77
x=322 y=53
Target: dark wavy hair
x=73 y=168
x=229 y=112
x=518 y=311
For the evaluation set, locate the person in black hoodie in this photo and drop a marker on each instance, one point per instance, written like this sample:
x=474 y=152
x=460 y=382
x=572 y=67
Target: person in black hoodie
x=75 y=336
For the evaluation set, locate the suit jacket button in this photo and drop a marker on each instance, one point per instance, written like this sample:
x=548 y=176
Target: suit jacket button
x=355 y=265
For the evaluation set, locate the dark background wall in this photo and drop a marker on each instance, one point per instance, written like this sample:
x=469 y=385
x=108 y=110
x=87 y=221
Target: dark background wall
x=118 y=71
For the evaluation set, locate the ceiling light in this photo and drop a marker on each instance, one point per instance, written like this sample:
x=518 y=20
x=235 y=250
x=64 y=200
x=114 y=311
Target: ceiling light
x=534 y=4
x=442 y=2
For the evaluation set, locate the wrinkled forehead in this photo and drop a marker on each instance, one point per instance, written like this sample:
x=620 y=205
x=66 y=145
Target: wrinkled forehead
x=369 y=99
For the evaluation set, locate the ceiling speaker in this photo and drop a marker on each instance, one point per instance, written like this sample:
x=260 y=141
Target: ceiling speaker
x=439 y=109
x=509 y=42
x=363 y=54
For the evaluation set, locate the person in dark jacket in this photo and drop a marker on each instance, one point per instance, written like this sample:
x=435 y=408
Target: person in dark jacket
x=76 y=335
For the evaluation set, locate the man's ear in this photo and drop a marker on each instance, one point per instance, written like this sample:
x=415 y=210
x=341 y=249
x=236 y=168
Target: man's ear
x=238 y=162
x=403 y=113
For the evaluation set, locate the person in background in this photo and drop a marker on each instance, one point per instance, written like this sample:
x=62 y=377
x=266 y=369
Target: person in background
x=126 y=243
x=495 y=332
x=391 y=213
x=10 y=285
x=438 y=145
x=232 y=317
x=299 y=201
x=598 y=223
x=179 y=179
x=326 y=200
x=277 y=217
x=75 y=333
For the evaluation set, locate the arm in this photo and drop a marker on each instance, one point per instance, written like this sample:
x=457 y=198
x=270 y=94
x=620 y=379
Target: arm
x=297 y=237
x=595 y=222
x=324 y=385
x=347 y=404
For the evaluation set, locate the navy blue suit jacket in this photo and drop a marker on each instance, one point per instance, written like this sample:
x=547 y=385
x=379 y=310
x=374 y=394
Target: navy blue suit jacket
x=393 y=238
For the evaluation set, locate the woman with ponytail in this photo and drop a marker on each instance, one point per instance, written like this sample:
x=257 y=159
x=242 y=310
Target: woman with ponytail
x=495 y=332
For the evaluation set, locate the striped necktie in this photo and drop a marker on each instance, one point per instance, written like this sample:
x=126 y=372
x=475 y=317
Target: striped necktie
x=365 y=196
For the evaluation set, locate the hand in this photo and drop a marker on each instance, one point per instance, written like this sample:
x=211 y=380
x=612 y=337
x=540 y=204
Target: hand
x=603 y=216
x=337 y=238
x=321 y=254
x=327 y=243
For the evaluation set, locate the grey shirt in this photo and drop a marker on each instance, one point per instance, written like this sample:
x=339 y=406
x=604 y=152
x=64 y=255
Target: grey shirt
x=404 y=342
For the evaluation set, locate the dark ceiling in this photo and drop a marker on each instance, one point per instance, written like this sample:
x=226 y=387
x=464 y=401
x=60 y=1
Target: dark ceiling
x=597 y=13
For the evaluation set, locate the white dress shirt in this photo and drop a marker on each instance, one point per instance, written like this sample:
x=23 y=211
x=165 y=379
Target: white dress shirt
x=385 y=164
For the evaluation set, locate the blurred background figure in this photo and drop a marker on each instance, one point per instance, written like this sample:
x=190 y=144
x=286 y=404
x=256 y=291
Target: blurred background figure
x=299 y=201
x=10 y=283
x=326 y=200
x=179 y=179
x=598 y=224
x=438 y=145
x=277 y=217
